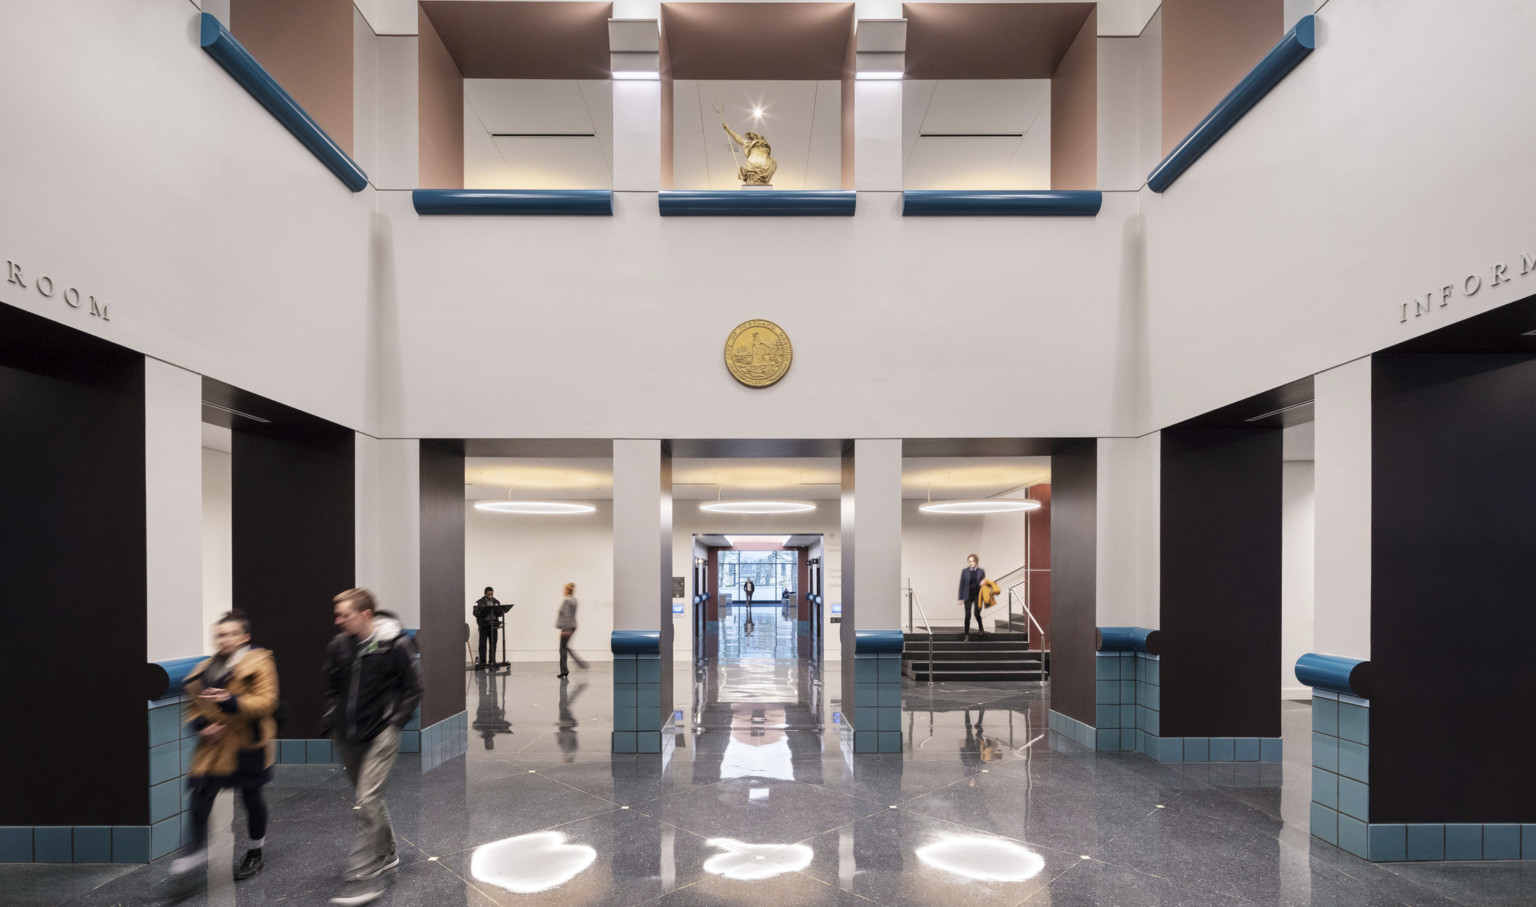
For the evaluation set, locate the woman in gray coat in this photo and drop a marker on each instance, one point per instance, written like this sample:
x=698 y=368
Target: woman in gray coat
x=565 y=622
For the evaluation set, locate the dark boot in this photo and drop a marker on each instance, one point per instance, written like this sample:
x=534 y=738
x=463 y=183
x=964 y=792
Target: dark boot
x=251 y=865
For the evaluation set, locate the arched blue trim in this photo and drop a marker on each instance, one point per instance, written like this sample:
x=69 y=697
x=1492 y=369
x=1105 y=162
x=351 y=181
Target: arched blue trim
x=867 y=642
x=1128 y=639
x=757 y=203
x=166 y=677
x=238 y=62
x=636 y=642
x=1017 y=203
x=513 y=201
x=1335 y=673
x=1276 y=65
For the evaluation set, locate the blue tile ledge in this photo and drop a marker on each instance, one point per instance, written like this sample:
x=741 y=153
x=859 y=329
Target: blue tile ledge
x=757 y=203
x=1004 y=202
x=1335 y=673
x=588 y=202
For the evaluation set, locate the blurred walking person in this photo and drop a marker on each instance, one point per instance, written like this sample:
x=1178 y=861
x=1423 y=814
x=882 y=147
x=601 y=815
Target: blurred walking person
x=372 y=687
x=231 y=699
x=565 y=622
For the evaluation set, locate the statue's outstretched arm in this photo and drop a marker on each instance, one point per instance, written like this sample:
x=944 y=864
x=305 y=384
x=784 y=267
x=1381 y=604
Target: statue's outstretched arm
x=732 y=133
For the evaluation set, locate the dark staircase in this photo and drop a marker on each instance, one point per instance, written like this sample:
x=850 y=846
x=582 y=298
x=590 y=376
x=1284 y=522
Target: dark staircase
x=998 y=656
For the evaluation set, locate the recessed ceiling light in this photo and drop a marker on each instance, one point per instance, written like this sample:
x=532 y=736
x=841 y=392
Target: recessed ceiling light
x=758 y=506
x=539 y=507
x=991 y=505
x=736 y=540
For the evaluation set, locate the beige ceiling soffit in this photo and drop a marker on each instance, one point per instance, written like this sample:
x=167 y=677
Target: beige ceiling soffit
x=634 y=48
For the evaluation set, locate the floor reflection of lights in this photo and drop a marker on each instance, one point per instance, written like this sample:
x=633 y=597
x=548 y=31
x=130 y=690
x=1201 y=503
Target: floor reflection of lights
x=751 y=862
x=982 y=859
x=528 y=864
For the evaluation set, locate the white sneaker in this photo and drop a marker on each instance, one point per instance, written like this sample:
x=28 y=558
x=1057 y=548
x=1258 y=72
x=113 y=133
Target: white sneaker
x=390 y=862
x=362 y=891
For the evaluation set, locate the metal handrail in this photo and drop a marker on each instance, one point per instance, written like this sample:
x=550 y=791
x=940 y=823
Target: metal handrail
x=912 y=600
x=1044 y=675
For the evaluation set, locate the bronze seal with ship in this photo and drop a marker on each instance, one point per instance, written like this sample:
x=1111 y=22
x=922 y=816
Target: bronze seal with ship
x=758 y=353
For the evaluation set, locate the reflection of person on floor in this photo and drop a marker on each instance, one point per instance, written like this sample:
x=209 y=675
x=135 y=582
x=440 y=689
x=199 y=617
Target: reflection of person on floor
x=978 y=747
x=565 y=622
x=491 y=716
x=565 y=735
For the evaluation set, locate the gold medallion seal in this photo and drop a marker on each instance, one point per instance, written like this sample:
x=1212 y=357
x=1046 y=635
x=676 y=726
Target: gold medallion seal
x=758 y=353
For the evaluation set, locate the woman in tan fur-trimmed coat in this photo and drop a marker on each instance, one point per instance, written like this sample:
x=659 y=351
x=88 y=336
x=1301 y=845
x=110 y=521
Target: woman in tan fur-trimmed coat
x=231 y=699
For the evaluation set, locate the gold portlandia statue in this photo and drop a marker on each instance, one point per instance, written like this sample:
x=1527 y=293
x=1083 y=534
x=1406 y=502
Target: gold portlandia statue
x=760 y=165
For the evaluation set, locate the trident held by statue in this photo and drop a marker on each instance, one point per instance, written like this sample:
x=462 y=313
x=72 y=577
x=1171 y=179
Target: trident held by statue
x=719 y=108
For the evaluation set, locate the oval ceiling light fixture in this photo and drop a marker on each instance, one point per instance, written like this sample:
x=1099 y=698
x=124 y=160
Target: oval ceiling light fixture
x=538 y=507
x=758 y=507
x=993 y=505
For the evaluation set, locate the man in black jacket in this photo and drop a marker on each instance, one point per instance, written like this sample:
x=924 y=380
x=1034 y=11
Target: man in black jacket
x=372 y=688
x=488 y=613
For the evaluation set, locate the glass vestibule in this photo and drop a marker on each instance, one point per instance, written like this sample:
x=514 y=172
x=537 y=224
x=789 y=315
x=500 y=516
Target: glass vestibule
x=772 y=573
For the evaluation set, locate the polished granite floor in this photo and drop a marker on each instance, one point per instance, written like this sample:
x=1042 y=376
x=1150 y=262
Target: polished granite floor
x=760 y=803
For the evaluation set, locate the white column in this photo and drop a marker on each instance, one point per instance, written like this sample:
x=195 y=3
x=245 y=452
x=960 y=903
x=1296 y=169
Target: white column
x=636 y=135
x=173 y=510
x=366 y=555
x=871 y=544
x=642 y=538
x=398 y=522
x=877 y=135
x=1126 y=562
x=1342 y=480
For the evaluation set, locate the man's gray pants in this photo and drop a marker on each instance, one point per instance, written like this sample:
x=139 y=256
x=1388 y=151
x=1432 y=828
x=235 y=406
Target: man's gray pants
x=368 y=766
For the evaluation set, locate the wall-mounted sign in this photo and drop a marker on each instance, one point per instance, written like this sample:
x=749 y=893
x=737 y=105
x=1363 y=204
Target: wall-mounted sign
x=758 y=353
x=48 y=288
x=679 y=590
x=678 y=607
x=1466 y=287
x=837 y=607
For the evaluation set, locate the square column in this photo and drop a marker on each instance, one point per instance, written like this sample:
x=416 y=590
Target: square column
x=642 y=595
x=871 y=584
x=173 y=510
x=1342 y=501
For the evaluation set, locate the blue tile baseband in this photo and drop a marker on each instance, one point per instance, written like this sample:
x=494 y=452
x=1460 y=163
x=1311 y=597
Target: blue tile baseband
x=757 y=203
x=1335 y=673
x=1128 y=639
x=166 y=677
x=1276 y=65
x=993 y=203
x=238 y=62
x=590 y=202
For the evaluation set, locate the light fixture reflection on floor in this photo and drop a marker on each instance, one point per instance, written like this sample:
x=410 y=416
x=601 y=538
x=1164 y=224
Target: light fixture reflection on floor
x=750 y=862
x=539 y=507
x=528 y=864
x=992 y=505
x=758 y=507
x=982 y=859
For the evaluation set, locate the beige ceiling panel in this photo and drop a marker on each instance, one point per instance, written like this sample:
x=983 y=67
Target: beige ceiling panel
x=828 y=115
x=484 y=167
x=985 y=106
x=686 y=116
x=555 y=162
x=824 y=163
x=1030 y=166
x=530 y=106
x=974 y=162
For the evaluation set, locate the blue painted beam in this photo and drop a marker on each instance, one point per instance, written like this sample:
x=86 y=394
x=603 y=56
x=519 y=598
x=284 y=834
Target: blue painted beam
x=1128 y=639
x=1016 y=203
x=635 y=642
x=238 y=62
x=757 y=203
x=513 y=201
x=1335 y=673
x=166 y=677
x=876 y=642
x=1300 y=41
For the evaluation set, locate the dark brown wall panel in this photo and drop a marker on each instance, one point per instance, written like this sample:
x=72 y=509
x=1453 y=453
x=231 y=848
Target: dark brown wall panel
x=439 y=111
x=307 y=47
x=73 y=575
x=442 y=581
x=1040 y=557
x=1074 y=545
x=1453 y=493
x=294 y=544
x=1208 y=46
x=1220 y=589
x=1075 y=112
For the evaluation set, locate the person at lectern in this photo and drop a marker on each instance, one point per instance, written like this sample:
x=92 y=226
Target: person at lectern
x=488 y=612
x=970 y=593
x=231 y=699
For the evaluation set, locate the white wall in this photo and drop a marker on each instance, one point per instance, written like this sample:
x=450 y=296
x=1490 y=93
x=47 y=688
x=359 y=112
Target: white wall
x=528 y=559
x=1291 y=245
x=151 y=180
x=1296 y=574
x=173 y=487
x=218 y=542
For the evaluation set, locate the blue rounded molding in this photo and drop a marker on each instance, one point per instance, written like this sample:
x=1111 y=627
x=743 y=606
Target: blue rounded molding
x=1335 y=673
x=238 y=62
x=636 y=642
x=597 y=202
x=878 y=642
x=757 y=203
x=166 y=677
x=1300 y=41
x=985 y=203
x=1128 y=639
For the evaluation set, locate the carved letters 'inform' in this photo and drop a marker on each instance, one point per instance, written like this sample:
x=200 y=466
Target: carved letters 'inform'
x=45 y=287
x=1468 y=286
